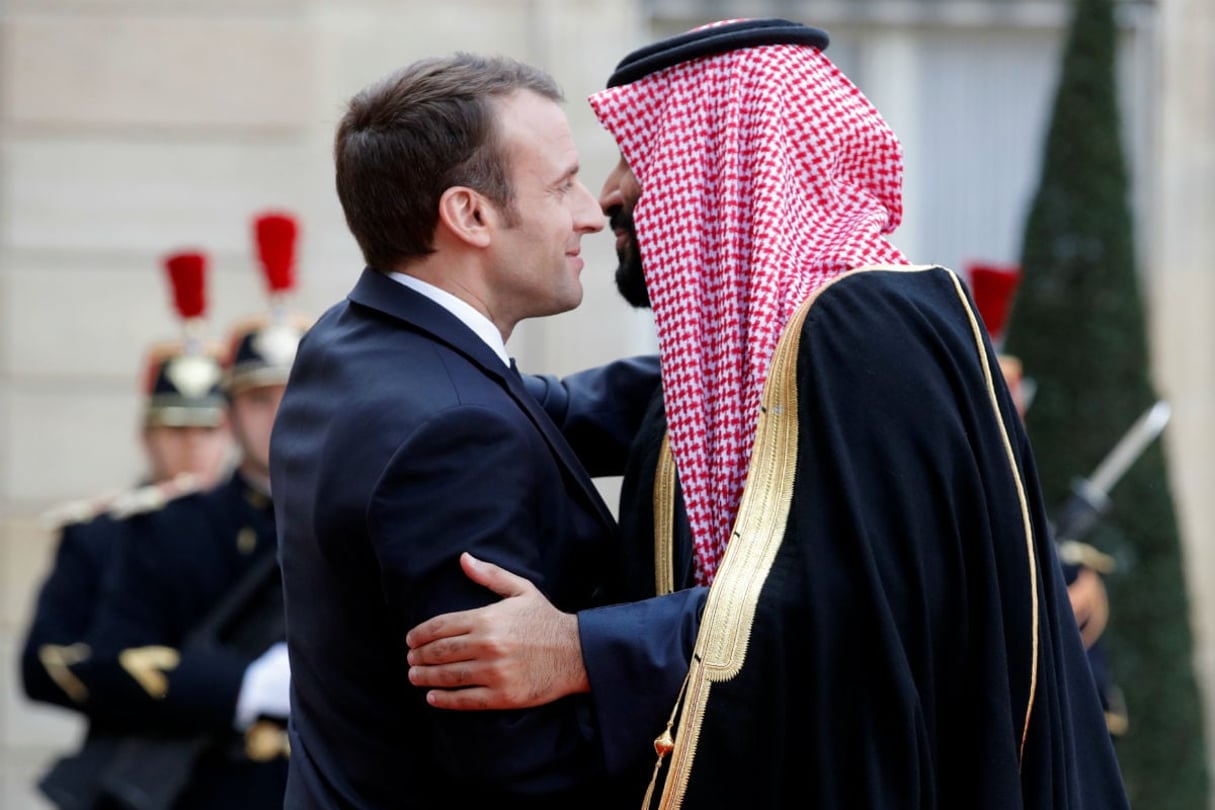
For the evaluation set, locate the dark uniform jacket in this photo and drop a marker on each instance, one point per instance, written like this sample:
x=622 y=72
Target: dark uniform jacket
x=156 y=675
x=63 y=613
x=57 y=641
x=905 y=640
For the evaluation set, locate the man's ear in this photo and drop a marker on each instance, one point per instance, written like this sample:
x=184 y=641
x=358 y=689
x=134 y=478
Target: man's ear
x=467 y=215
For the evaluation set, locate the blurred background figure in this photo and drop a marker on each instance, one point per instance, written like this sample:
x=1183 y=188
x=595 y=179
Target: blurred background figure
x=262 y=349
x=993 y=287
x=181 y=668
x=185 y=430
x=185 y=425
x=1096 y=340
x=186 y=443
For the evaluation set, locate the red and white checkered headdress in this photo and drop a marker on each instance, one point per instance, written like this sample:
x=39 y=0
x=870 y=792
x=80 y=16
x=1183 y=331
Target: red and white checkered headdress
x=764 y=173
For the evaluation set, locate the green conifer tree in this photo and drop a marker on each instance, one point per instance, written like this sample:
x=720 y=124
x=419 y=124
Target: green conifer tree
x=1078 y=327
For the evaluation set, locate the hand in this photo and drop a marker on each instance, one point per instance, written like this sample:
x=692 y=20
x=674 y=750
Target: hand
x=265 y=689
x=1090 y=604
x=514 y=654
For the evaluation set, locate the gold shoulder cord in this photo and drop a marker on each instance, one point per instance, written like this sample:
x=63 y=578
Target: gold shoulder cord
x=759 y=528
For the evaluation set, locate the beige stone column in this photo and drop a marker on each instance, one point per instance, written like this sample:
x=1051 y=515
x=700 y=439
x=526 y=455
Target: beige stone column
x=1183 y=303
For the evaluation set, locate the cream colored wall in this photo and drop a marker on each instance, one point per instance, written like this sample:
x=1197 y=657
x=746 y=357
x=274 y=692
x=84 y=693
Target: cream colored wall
x=129 y=128
x=1183 y=297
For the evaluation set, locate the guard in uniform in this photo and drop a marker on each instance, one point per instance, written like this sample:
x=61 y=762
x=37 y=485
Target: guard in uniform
x=187 y=661
x=186 y=441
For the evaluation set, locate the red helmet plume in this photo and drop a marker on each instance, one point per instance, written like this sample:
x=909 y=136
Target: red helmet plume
x=275 y=234
x=992 y=286
x=187 y=274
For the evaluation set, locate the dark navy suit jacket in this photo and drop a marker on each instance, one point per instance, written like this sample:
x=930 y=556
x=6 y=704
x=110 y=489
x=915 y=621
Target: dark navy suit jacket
x=402 y=441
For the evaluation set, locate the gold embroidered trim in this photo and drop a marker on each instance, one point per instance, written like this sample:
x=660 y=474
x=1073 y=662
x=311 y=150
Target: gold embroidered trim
x=58 y=660
x=664 y=520
x=977 y=330
x=148 y=665
x=759 y=528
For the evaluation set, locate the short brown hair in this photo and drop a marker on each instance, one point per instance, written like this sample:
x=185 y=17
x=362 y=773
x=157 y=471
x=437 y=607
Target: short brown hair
x=416 y=133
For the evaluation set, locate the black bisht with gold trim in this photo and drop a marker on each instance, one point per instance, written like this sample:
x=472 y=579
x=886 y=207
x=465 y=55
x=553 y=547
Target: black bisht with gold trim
x=889 y=628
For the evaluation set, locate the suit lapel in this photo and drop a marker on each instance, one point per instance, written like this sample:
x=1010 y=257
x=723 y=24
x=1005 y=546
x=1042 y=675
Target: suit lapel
x=377 y=291
x=514 y=386
x=381 y=293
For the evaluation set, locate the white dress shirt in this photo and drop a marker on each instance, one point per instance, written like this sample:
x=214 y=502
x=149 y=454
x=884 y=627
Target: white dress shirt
x=482 y=326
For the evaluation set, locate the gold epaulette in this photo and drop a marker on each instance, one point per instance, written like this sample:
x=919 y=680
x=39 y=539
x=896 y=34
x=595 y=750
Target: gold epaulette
x=1073 y=552
x=153 y=497
x=81 y=510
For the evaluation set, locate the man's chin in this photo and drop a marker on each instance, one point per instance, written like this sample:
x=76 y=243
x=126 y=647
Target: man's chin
x=571 y=300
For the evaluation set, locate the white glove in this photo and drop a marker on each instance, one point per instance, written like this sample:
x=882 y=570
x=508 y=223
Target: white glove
x=266 y=688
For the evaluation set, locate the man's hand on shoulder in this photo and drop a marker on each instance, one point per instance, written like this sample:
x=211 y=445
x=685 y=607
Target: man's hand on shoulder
x=514 y=654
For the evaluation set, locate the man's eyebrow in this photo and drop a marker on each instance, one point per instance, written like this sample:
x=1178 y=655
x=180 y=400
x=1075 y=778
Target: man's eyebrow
x=570 y=171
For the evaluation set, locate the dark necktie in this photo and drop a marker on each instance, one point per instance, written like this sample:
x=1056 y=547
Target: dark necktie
x=556 y=440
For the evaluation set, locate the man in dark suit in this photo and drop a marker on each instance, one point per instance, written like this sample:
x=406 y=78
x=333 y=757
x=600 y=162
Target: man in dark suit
x=406 y=437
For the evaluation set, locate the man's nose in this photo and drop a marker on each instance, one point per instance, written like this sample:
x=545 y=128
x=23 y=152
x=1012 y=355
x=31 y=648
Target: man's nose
x=590 y=217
